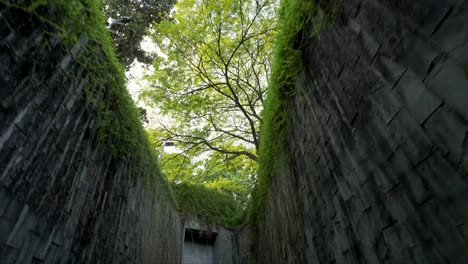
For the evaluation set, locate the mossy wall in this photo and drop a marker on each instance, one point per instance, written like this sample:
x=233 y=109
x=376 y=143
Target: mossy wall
x=374 y=167
x=78 y=182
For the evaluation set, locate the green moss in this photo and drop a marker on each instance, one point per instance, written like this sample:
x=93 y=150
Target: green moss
x=208 y=205
x=287 y=62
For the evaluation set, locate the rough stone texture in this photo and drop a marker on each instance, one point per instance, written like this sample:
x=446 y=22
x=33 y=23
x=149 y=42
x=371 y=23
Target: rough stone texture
x=63 y=198
x=247 y=246
x=379 y=141
x=226 y=247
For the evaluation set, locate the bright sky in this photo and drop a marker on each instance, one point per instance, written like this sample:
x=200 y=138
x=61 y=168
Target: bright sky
x=136 y=83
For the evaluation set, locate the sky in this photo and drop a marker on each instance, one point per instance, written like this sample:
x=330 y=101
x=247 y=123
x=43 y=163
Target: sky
x=136 y=83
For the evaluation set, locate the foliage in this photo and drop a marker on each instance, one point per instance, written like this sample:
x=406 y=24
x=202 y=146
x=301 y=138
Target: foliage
x=214 y=79
x=178 y=167
x=287 y=62
x=212 y=83
x=153 y=140
x=233 y=177
x=210 y=206
x=130 y=21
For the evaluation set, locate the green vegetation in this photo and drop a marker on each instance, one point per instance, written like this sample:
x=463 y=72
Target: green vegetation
x=231 y=176
x=212 y=83
x=129 y=21
x=208 y=205
x=214 y=77
x=287 y=62
x=191 y=83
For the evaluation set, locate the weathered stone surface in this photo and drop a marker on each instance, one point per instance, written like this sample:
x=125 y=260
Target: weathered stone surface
x=378 y=134
x=63 y=198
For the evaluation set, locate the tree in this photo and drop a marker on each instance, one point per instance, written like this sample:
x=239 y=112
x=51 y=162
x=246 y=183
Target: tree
x=178 y=168
x=129 y=20
x=143 y=115
x=213 y=79
x=230 y=176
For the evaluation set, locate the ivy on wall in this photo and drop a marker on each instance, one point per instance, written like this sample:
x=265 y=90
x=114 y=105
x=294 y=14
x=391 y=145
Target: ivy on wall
x=287 y=63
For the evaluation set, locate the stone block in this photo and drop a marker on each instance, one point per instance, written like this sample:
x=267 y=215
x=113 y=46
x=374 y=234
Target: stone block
x=408 y=135
x=8 y=80
x=26 y=92
x=13 y=210
x=449 y=82
x=25 y=254
x=20 y=230
x=419 y=101
x=399 y=204
x=464 y=230
x=424 y=252
x=448 y=131
x=387 y=104
x=458 y=208
x=61 y=119
x=388 y=71
x=416 y=53
x=57 y=96
x=8 y=113
x=402 y=168
x=441 y=177
x=4 y=200
x=445 y=234
x=71 y=100
x=23 y=44
x=452 y=40
x=78 y=47
x=67 y=63
x=9 y=254
x=5 y=28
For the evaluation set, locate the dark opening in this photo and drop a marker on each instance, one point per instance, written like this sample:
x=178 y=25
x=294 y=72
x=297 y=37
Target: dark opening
x=199 y=236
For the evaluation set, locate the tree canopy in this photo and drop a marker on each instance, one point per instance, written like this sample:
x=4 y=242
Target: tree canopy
x=231 y=176
x=129 y=21
x=213 y=78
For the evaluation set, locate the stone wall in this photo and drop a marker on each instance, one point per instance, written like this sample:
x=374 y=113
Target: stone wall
x=378 y=135
x=226 y=247
x=64 y=198
x=247 y=248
